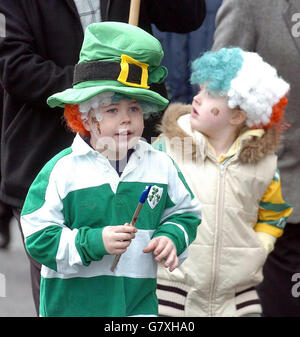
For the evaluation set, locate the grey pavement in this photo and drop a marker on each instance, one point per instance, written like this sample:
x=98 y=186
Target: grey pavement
x=15 y=288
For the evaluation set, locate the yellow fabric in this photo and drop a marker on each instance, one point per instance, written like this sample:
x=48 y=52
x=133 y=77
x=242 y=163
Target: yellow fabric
x=269 y=215
x=273 y=196
x=274 y=192
x=269 y=229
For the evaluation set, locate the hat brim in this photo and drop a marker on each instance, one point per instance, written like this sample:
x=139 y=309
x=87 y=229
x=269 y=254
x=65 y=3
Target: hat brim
x=83 y=92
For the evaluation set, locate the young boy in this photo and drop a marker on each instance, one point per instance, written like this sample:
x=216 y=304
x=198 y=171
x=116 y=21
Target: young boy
x=224 y=145
x=74 y=214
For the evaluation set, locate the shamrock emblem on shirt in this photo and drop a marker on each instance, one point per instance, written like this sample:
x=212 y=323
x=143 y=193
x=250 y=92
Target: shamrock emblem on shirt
x=154 y=196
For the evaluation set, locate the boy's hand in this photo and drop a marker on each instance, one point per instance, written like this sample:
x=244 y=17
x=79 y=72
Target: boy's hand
x=163 y=249
x=116 y=239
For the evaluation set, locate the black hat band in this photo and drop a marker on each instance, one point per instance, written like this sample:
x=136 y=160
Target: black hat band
x=129 y=72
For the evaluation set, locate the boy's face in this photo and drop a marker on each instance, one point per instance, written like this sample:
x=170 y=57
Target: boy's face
x=119 y=129
x=210 y=113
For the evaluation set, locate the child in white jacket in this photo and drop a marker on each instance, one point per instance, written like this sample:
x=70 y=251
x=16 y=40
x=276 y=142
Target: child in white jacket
x=224 y=144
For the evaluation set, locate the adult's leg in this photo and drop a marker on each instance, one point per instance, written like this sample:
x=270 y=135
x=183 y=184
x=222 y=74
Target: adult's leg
x=35 y=267
x=5 y=217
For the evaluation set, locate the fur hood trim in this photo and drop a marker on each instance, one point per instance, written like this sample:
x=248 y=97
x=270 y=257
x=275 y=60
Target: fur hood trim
x=252 y=149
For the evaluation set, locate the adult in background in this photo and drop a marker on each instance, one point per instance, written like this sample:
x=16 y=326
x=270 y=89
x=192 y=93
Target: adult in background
x=38 y=50
x=5 y=211
x=270 y=28
x=182 y=49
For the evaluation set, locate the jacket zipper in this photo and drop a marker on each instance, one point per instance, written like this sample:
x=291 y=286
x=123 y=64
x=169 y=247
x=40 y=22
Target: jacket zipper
x=218 y=227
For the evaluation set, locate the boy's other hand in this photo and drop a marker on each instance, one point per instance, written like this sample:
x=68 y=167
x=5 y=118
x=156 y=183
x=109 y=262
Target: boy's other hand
x=164 y=249
x=116 y=239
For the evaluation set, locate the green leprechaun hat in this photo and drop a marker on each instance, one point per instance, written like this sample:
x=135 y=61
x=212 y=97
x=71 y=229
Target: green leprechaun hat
x=116 y=57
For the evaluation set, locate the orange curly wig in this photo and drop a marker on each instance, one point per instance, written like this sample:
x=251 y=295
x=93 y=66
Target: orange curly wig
x=74 y=121
x=277 y=116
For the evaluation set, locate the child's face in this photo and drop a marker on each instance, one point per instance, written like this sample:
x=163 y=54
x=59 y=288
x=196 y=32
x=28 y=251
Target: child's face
x=119 y=129
x=210 y=113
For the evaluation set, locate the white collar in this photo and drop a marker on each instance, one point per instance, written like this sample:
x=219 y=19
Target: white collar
x=80 y=147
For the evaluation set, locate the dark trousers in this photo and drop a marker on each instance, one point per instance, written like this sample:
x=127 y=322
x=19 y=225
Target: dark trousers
x=5 y=216
x=35 y=267
x=280 y=289
x=5 y=212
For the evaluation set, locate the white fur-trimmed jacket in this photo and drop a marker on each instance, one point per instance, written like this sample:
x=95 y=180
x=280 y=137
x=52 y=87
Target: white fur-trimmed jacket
x=227 y=255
